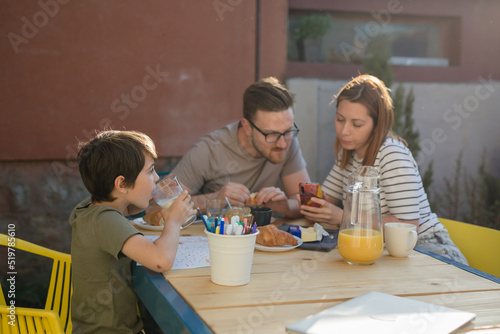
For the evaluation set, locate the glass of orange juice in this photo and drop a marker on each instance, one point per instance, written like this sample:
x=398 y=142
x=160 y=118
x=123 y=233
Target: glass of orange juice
x=360 y=237
x=360 y=246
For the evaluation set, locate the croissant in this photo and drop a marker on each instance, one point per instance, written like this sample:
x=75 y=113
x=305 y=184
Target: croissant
x=154 y=218
x=270 y=235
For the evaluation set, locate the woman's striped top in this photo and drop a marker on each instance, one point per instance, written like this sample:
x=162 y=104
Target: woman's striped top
x=401 y=191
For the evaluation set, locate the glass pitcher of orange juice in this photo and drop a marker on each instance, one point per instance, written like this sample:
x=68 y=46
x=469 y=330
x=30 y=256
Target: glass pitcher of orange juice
x=360 y=236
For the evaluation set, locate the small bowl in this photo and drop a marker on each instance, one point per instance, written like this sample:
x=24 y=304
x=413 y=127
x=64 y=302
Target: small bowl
x=262 y=215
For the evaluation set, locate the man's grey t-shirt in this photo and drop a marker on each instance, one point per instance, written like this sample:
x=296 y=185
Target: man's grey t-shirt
x=217 y=158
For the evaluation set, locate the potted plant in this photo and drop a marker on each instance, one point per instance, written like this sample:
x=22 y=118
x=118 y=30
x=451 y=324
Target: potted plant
x=309 y=33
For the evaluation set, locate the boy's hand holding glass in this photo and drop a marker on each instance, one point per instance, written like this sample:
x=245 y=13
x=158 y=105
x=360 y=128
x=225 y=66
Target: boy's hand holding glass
x=180 y=210
x=168 y=192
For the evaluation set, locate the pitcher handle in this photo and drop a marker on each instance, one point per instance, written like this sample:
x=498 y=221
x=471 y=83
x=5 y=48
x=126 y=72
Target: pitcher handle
x=356 y=205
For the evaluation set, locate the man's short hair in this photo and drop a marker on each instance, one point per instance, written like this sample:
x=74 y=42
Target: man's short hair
x=267 y=95
x=111 y=154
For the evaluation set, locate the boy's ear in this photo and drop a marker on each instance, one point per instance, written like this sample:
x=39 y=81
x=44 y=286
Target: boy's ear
x=120 y=184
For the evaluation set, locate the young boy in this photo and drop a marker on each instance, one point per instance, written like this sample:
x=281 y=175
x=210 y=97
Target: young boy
x=117 y=168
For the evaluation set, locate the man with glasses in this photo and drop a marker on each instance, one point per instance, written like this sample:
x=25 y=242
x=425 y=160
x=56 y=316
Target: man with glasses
x=250 y=156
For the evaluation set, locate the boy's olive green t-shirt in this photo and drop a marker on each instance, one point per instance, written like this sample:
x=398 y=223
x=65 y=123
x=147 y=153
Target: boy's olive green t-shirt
x=103 y=300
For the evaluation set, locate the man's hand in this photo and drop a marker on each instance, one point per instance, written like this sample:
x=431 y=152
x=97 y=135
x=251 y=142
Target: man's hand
x=236 y=193
x=277 y=200
x=269 y=194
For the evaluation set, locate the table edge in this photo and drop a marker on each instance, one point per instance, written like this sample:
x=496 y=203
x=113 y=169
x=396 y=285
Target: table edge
x=182 y=316
x=458 y=265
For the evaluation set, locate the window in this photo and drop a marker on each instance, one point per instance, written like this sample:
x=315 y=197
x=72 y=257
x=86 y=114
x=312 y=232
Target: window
x=351 y=37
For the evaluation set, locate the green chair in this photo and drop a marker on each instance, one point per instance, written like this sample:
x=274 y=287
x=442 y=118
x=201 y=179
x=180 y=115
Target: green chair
x=480 y=245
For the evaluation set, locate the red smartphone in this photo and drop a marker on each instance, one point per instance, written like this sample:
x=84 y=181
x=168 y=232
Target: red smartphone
x=309 y=190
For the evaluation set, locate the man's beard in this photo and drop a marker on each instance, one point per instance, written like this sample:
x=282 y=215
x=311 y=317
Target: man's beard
x=269 y=157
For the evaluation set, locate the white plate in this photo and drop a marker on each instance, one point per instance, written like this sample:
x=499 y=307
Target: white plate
x=139 y=222
x=142 y=224
x=283 y=248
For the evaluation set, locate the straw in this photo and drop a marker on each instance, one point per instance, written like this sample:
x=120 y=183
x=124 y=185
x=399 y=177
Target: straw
x=228 y=203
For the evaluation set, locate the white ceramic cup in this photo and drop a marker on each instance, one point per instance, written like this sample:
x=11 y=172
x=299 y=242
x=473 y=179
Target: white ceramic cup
x=400 y=238
x=231 y=258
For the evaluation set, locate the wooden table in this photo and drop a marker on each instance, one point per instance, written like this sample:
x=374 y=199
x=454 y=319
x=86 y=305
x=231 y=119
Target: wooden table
x=287 y=286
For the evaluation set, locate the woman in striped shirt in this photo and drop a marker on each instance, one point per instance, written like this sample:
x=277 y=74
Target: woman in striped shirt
x=363 y=125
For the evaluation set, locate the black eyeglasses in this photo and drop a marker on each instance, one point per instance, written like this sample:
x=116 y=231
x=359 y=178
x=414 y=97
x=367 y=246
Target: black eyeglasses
x=273 y=137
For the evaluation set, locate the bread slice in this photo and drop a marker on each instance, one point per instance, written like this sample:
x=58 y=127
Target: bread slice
x=252 y=201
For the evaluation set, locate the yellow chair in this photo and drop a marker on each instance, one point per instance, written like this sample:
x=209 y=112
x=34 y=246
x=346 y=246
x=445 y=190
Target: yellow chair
x=56 y=316
x=480 y=245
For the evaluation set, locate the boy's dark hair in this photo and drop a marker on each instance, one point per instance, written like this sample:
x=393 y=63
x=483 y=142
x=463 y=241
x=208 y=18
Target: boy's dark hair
x=109 y=155
x=266 y=95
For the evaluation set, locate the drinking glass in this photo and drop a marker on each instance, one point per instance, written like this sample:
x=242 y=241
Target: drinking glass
x=216 y=208
x=166 y=192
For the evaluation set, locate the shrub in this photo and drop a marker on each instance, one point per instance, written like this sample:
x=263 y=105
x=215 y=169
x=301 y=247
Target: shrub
x=313 y=26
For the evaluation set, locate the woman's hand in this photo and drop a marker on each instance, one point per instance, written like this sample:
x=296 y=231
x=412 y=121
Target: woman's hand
x=327 y=212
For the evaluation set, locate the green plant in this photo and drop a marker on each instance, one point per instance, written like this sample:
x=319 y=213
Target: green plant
x=377 y=60
x=480 y=203
x=313 y=26
x=428 y=179
x=377 y=64
x=404 y=125
x=482 y=196
x=448 y=201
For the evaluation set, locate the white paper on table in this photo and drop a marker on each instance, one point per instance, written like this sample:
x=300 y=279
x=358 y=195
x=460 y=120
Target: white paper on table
x=191 y=253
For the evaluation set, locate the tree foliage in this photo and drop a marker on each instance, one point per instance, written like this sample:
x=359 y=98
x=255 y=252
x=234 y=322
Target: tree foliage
x=377 y=63
x=481 y=203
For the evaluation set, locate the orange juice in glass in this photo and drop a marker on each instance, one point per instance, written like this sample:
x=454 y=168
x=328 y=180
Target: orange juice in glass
x=360 y=246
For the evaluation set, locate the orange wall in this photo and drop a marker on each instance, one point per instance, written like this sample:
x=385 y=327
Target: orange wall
x=73 y=66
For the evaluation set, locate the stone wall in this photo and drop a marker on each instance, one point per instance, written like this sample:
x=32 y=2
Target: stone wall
x=37 y=198
x=37 y=202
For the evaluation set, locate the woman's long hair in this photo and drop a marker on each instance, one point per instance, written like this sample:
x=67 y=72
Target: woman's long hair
x=374 y=95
